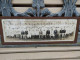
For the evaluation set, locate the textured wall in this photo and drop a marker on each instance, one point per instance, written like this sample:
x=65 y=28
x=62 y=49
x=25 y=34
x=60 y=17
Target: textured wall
x=48 y=8
x=40 y=8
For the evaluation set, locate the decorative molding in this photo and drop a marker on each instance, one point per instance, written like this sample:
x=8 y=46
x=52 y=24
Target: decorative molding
x=68 y=10
x=5 y=7
x=38 y=9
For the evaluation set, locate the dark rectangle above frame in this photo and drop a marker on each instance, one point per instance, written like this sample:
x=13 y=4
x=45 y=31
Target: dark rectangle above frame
x=37 y=24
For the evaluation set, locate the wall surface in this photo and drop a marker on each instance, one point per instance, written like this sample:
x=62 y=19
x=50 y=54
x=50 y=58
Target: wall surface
x=41 y=53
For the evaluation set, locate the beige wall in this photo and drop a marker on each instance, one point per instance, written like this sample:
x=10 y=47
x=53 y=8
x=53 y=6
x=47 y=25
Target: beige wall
x=56 y=53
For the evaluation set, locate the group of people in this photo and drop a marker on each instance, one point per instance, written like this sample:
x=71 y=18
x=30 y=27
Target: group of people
x=43 y=34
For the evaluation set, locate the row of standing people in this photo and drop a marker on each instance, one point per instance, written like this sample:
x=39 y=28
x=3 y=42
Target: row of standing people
x=55 y=34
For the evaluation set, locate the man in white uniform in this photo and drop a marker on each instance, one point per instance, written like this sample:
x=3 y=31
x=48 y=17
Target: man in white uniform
x=40 y=34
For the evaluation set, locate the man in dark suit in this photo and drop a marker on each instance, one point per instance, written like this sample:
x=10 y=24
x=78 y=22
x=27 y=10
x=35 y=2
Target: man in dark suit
x=48 y=34
x=55 y=34
x=61 y=34
x=26 y=33
x=64 y=31
x=22 y=33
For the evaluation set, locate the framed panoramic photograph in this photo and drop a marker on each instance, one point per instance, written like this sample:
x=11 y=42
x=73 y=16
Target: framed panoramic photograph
x=23 y=30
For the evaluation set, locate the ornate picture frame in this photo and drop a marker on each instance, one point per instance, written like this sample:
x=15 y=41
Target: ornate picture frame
x=36 y=23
